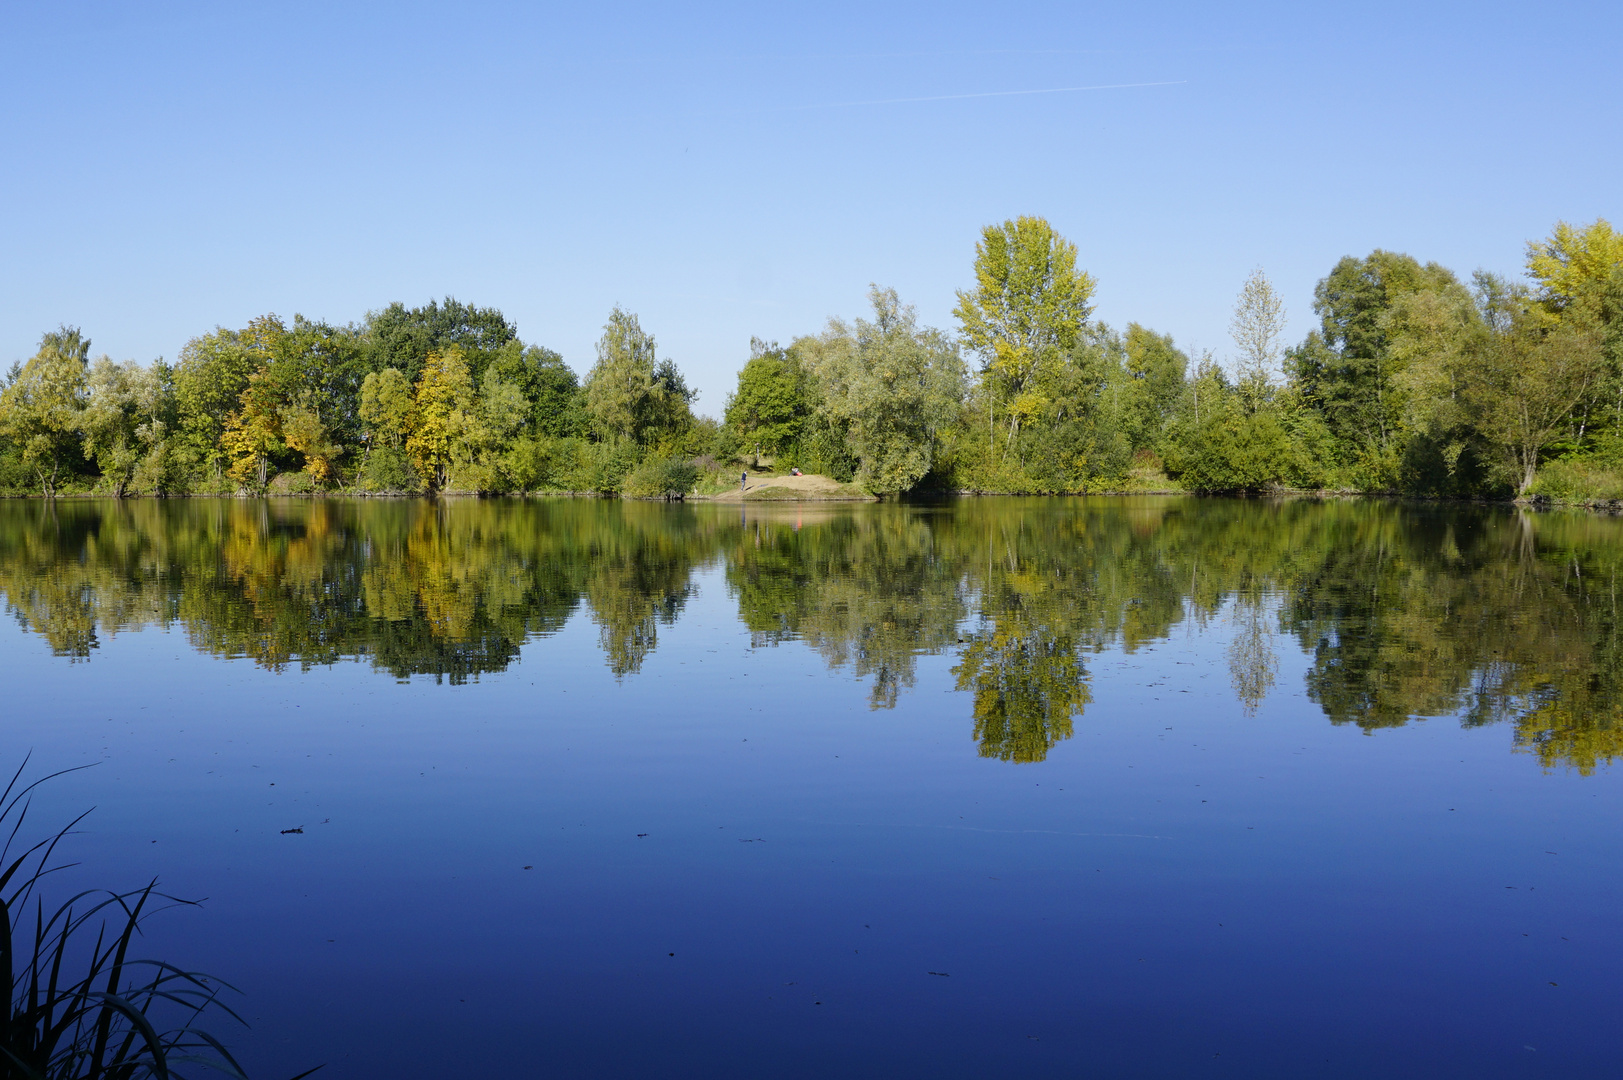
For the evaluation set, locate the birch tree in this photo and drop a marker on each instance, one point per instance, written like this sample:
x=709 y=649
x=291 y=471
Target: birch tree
x=1257 y=328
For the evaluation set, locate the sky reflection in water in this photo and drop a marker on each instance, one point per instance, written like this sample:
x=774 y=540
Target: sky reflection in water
x=1118 y=770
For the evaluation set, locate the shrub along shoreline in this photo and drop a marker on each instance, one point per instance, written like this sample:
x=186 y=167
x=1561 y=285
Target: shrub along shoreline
x=1412 y=383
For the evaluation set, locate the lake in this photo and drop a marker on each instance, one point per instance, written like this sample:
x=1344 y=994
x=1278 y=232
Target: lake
x=1128 y=787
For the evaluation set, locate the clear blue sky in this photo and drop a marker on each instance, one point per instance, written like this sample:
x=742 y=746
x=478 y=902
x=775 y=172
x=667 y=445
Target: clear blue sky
x=172 y=167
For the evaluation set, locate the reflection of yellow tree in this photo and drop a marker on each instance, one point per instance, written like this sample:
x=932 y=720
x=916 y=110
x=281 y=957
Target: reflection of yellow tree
x=1028 y=685
x=1574 y=730
x=298 y=581
x=62 y=609
x=1045 y=588
x=71 y=602
x=1402 y=612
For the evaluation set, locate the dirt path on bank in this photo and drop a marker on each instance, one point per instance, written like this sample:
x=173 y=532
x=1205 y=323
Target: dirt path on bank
x=810 y=487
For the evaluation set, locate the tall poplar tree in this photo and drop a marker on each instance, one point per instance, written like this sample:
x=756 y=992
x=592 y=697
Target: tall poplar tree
x=1024 y=314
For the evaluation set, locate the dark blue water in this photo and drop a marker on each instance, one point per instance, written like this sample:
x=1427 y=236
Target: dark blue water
x=1217 y=789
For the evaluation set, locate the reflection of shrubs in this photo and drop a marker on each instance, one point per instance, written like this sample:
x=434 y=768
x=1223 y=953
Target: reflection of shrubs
x=661 y=478
x=80 y=1007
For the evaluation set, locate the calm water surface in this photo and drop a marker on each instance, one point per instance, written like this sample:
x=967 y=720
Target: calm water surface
x=1151 y=787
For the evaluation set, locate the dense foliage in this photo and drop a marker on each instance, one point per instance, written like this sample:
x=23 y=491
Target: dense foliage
x=1414 y=381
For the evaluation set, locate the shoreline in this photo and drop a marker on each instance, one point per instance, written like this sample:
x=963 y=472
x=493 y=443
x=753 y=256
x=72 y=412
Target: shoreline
x=776 y=494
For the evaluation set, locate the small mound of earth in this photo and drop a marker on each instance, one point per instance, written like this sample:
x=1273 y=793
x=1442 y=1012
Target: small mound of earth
x=809 y=487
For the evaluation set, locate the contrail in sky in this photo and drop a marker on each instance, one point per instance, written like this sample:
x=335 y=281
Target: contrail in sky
x=989 y=94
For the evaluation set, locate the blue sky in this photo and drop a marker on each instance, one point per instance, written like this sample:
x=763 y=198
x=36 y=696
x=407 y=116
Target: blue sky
x=172 y=167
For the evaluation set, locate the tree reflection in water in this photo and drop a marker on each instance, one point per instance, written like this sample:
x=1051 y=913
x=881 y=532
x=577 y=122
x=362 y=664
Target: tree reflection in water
x=1493 y=615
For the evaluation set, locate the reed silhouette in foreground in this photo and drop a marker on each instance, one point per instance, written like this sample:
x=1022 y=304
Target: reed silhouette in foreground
x=80 y=1007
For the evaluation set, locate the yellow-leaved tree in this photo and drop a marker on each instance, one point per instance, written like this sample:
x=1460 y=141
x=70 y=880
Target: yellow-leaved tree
x=1027 y=309
x=443 y=415
x=305 y=431
x=1572 y=263
x=254 y=431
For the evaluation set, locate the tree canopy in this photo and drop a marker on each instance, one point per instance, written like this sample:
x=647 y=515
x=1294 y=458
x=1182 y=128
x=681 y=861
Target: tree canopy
x=1413 y=380
x=1027 y=308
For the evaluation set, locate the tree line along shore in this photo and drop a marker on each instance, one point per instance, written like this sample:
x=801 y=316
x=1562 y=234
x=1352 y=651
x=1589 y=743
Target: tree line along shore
x=1414 y=382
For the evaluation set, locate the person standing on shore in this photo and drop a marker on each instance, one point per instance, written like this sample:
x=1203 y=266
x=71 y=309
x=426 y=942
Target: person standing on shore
x=744 y=481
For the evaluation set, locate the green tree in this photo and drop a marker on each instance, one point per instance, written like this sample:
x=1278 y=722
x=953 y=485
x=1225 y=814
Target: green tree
x=556 y=405
x=124 y=423
x=1218 y=444
x=386 y=418
x=386 y=403
x=42 y=410
x=500 y=413
x=1025 y=312
x=1346 y=369
x=670 y=407
x=630 y=393
x=1578 y=283
x=1156 y=385
x=891 y=387
x=1524 y=381
x=1431 y=335
x=769 y=408
x=320 y=369
x=404 y=338
x=1082 y=436
x=210 y=377
x=161 y=469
